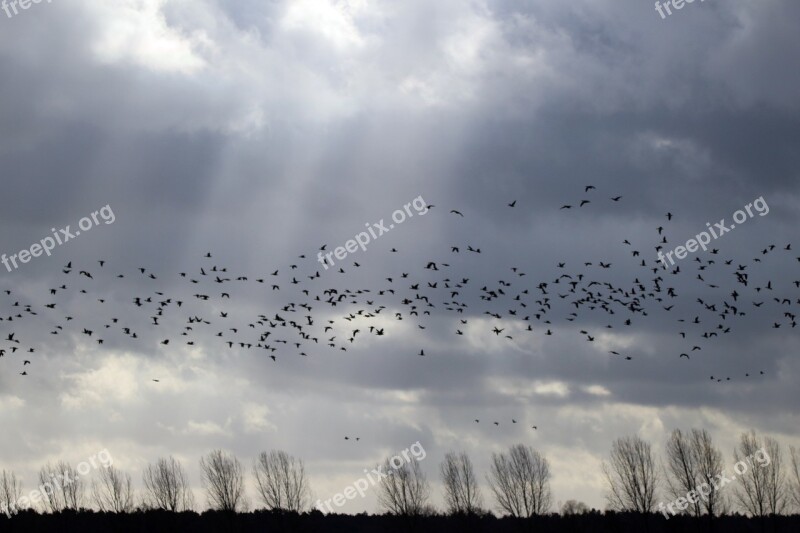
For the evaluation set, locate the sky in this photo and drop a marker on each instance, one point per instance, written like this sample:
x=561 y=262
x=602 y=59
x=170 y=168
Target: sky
x=260 y=131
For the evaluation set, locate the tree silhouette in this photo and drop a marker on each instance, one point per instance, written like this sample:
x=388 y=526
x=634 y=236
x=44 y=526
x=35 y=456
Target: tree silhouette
x=62 y=487
x=572 y=507
x=405 y=490
x=692 y=464
x=761 y=490
x=223 y=478
x=794 y=480
x=631 y=475
x=10 y=492
x=461 y=492
x=112 y=492
x=520 y=481
x=281 y=481
x=166 y=486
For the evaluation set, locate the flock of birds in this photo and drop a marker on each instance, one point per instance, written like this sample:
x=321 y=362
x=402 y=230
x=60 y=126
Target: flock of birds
x=197 y=312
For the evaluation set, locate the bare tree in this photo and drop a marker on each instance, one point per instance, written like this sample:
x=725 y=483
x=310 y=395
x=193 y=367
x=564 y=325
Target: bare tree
x=682 y=470
x=710 y=463
x=112 y=492
x=166 y=486
x=404 y=491
x=760 y=491
x=461 y=491
x=631 y=475
x=223 y=479
x=281 y=481
x=794 y=480
x=49 y=483
x=692 y=466
x=520 y=481
x=10 y=492
x=571 y=507
x=61 y=487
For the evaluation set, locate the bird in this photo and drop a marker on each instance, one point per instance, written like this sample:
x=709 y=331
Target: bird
x=435 y=292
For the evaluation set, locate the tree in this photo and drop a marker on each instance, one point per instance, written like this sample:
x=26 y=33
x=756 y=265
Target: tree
x=709 y=461
x=166 y=486
x=404 y=491
x=692 y=464
x=62 y=487
x=794 y=481
x=571 y=507
x=112 y=492
x=10 y=492
x=281 y=481
x=461 y=492
x=223 y=478
x=760 y=490
x=520 y=481
x=631 y=475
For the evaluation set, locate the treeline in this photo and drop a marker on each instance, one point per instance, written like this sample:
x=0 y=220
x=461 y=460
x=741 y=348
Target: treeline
x=695 y=479
x=692 y=480
x=281 y=484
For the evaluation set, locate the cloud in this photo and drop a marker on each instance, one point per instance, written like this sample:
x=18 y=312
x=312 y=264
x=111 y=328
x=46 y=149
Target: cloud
x=261 y=131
